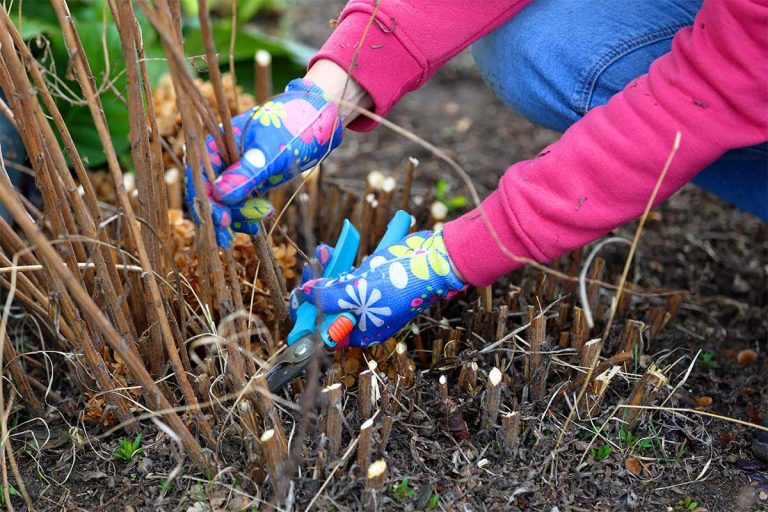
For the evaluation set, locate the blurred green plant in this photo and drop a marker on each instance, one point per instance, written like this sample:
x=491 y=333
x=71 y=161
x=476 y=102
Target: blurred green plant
x=708 y=360
x=629 y=440
x=11 y=492
x=402 y=490
x=128 y=449
x=434 y=502
x=246 y=9
x=687 y=503
x=40 y=28
x=452 y=202
x=289 y=58
x=602 y=452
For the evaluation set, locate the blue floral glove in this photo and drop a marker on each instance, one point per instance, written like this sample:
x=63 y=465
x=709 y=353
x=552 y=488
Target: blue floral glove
x=279 y=139
x=388 y=290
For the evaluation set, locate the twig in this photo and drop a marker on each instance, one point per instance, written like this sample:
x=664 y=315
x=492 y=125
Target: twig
x=364 y=445
x=510 y=425
x=622 y=281
x=365 y=393
x=374 y=485
x=405 y=201
x=263 y=68
x=644 y=393
x=492 y=398
x=273 y=454
x=333 y=418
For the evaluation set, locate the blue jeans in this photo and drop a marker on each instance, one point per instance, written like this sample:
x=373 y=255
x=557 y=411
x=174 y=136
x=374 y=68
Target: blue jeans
x=559 y=58
x=11 y=150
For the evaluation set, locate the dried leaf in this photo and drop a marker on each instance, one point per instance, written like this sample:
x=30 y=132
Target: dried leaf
x=747 y=356
x=457 y=426
x=633 y=466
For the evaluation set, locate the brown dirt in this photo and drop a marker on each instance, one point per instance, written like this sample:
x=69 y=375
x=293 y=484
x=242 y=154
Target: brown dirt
x=694 y=243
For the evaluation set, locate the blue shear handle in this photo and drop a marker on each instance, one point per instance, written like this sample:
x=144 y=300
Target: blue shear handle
x=396 y=229
x=343 y=256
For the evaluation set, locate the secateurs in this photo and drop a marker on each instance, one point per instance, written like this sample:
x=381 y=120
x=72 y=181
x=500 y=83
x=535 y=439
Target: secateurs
x=310 y=334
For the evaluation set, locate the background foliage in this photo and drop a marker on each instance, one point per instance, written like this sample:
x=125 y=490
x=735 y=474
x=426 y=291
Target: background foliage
x=38 y=25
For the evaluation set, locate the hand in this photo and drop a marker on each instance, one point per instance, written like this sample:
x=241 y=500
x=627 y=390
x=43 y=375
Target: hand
x=390 y=288
x=279 y=139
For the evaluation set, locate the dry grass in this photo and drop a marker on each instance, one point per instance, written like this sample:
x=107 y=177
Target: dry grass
x=137 y=334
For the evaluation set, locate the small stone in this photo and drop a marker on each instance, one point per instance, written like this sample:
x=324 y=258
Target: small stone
x=451 y=108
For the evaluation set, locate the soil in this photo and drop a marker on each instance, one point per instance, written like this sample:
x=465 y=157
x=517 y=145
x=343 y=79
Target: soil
x=694 y=242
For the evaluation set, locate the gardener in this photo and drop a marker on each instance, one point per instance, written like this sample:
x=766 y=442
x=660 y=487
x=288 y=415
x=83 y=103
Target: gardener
x=620 y=79
x=620 y=83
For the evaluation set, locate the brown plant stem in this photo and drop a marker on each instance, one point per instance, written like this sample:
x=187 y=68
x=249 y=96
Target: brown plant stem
x=85 y=79
x=374 y=485
x=112 y=286
x=19 y=376
x=333 y=419
x=365 y=444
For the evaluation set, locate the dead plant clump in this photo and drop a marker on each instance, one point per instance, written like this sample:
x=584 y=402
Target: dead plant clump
x=145 y=326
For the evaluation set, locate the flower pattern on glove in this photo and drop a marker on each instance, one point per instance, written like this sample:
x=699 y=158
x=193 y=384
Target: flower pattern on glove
x=388 y=290
x=278 y=140
x=364 y=304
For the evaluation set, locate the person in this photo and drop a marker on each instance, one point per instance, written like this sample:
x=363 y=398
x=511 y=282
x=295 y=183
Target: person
x=620 y=79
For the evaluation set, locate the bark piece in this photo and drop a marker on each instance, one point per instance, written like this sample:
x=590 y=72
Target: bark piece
x=492 y=398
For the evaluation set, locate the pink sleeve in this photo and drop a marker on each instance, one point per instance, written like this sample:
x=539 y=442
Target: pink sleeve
x=407 y=42
x=712 y=87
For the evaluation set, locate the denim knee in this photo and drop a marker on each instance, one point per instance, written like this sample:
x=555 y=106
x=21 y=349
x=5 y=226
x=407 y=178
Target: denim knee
x=557 y=59
x=11 y=151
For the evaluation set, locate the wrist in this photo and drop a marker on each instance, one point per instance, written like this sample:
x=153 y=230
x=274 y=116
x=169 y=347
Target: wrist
x=340 y=87
x=453 y=266
x=456 y=271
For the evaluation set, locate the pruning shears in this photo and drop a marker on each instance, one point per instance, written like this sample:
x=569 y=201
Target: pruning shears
x=309 y=335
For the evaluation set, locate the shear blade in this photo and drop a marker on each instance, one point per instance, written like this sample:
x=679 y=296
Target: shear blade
x=293 y=362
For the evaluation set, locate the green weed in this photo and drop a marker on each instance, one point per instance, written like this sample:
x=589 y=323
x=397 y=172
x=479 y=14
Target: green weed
x=434 y=502
x=442 y=194
x=602 y=451
x=402 y=490
x=11 y=492
x=708 y=360
x=629 y=440
x=128 y=449
x=687 y=503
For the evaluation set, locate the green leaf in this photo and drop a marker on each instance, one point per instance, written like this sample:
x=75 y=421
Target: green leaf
x=289 y=59
x=102 y=46
x=441 y=189
x=128 y=449
x=248 y=40
x=83 y=129
x=402 y=491
x=433 y=503
x=35 y=18
x=457 y=202
x=625 y=436
x=247 y=9
x=602 y=452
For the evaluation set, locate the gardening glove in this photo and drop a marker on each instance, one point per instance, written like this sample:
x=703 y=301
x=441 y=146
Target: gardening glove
x=279 y=139
x=390 y=288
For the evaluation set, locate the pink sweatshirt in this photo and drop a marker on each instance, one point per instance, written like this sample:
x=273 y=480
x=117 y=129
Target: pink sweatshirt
x=712 y=87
